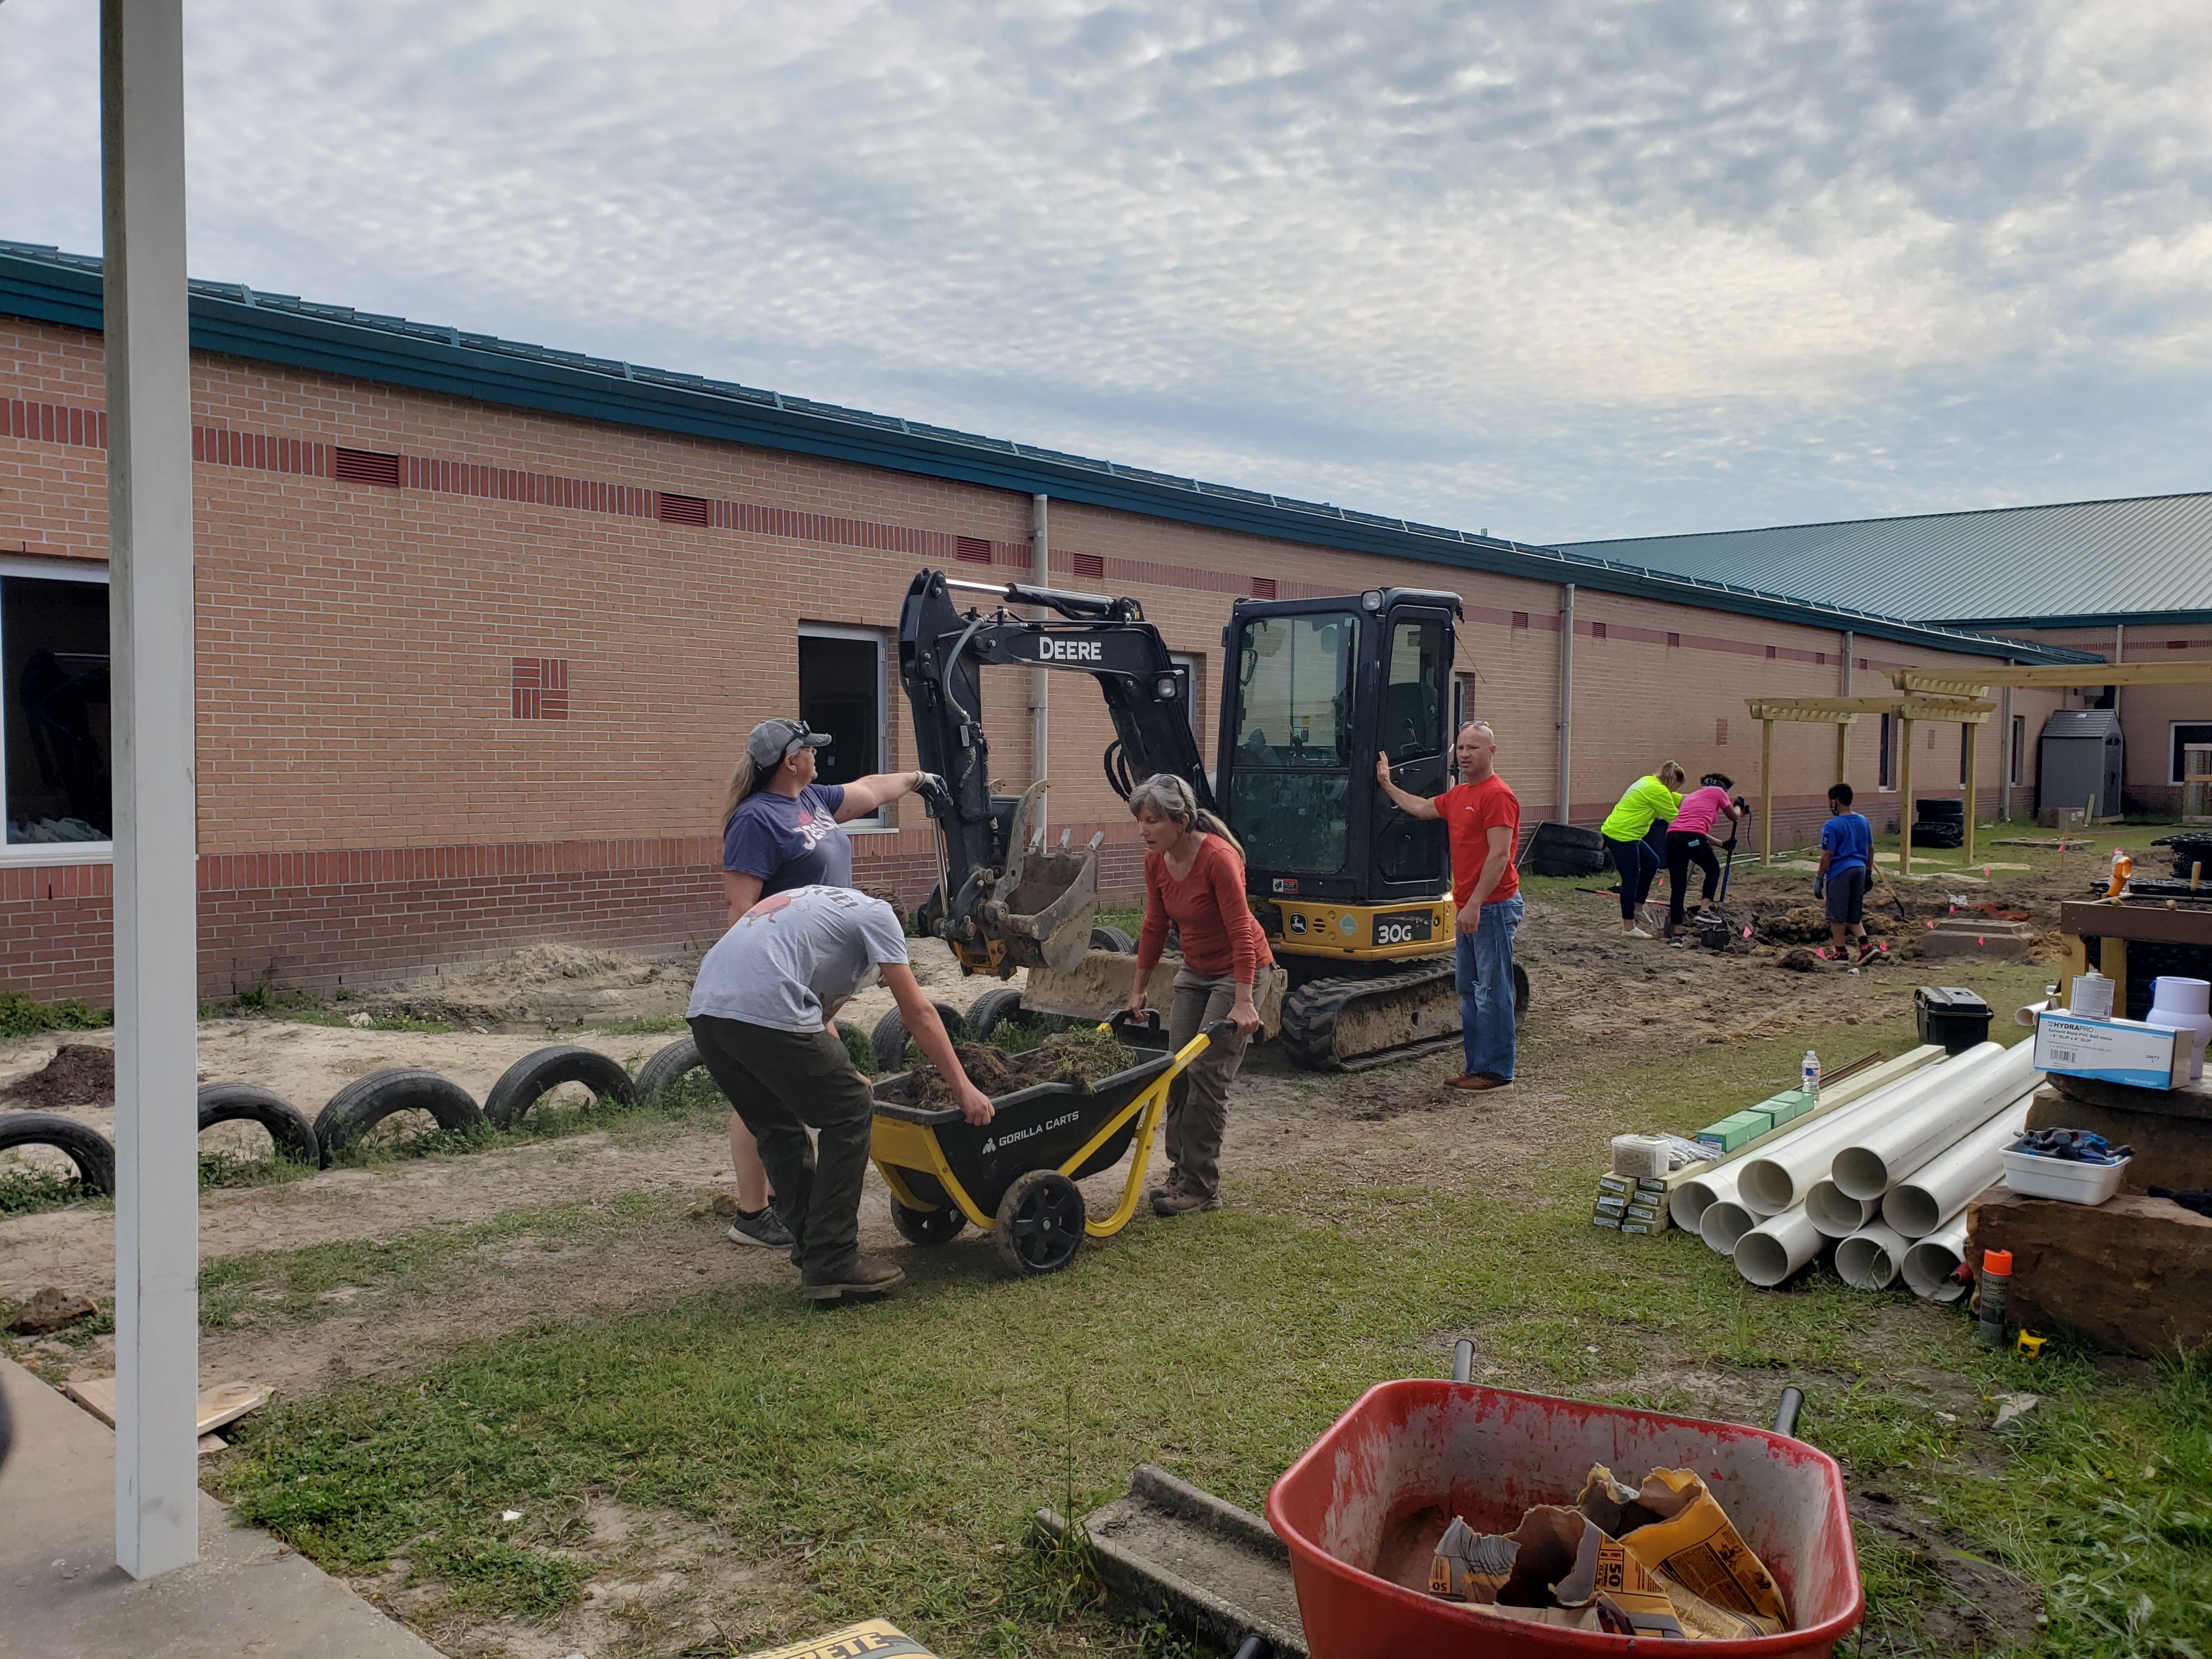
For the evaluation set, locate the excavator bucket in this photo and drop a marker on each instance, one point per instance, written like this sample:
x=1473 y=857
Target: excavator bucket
x=1040 y=909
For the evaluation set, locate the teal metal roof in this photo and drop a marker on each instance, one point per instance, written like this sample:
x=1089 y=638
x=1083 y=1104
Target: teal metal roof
x=2073 y=564
x=43 y=283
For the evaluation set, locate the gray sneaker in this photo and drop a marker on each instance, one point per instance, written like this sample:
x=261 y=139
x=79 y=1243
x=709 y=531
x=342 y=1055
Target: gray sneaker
x=865 y=1275
x=763 y=1227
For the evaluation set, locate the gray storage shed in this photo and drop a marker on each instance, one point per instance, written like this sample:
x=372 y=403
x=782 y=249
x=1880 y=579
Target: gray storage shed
x=2080 y=756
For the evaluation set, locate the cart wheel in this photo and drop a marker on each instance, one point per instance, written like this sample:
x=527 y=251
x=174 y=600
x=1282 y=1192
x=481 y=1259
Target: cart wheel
x=938 y=1226
x=1041 y=1222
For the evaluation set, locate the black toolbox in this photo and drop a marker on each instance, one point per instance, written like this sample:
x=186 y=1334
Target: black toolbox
x=1951 y=1015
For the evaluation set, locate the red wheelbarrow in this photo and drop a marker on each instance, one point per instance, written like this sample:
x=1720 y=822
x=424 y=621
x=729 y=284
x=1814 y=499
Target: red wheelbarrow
x=1362 y=1509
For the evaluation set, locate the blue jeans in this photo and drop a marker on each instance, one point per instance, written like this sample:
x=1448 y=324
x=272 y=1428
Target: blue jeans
x=1484 y=973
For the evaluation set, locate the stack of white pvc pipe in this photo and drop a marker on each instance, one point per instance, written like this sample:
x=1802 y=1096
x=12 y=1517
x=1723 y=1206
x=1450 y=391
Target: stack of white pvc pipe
x=1912 y=1154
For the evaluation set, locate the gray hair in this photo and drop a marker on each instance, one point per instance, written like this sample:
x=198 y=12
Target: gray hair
x=1174 y=799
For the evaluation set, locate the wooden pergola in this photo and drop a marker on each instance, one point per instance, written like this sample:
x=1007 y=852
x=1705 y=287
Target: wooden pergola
x=1841 y=713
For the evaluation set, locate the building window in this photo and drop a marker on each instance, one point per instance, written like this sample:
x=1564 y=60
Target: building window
x=2185 y=733
x=56 y=747
x=1886 y=772
x=842 y=692
x=1463 y=701
x=1190 y=668
x=2019 y=747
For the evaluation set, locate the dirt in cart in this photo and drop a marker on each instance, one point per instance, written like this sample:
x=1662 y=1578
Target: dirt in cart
x=1079 y=1057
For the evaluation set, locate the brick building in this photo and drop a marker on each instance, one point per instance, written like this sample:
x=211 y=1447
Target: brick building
x=482 y=626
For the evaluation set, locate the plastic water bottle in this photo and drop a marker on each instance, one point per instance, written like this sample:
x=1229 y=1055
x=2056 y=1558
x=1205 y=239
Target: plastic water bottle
x=1809 y=1074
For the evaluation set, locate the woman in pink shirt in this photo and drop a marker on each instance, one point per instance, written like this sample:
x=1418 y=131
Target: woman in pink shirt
x=1689 y=840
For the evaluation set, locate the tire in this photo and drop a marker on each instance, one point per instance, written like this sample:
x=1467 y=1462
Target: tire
x=664 y=1068
x=991 y=1009
x=363 y=1104
x=889 y=1038
x=927 y=1227
x=1040 y=1224
x=1105 y=937
x=1559 y=838
x=86 y=1147
x=1940 y=812
x=1567 y=862
x=520 y=1086
x=247 y=1103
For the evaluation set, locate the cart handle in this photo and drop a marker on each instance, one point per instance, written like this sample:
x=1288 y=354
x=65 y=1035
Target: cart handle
x=1786 y=1414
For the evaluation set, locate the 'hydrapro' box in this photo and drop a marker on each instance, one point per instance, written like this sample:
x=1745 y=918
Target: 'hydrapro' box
x=2111 y=1050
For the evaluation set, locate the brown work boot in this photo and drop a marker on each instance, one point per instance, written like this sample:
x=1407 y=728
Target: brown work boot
x=864 y=1276
x=1479 y=1080
x=1177 y=1198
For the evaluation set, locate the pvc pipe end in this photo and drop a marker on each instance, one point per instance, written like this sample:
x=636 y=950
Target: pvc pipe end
x=1723 y=1224
x=1762 y=1259
x=1860 y=1173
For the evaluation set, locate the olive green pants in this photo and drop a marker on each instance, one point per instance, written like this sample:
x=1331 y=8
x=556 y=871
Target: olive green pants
x=782 y=1084
x=1198 y=1101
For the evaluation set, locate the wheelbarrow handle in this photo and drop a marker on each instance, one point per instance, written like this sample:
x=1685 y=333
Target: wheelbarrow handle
x=1123 y=1020
x=1786 y=1414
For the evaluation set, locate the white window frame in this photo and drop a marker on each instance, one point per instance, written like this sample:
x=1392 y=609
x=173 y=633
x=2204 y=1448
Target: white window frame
x=1194 y=664
x=2173 y=745
x=877 y=822
x=60 y=851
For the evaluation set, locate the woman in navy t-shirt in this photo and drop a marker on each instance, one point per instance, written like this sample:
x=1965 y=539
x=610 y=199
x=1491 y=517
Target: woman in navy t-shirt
x=782 y=830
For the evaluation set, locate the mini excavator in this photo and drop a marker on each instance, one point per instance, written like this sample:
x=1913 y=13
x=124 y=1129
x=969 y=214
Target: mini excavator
x=1355 y=895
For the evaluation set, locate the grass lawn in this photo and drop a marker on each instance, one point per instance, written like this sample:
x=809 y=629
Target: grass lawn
x=887 y=1458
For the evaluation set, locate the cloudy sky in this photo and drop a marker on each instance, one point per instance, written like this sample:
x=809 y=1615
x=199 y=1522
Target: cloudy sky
x=1561 y=268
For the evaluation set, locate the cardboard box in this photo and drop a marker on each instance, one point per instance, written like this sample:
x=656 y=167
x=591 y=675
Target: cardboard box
x=876 y=1639
x=2111 y=1050
x=1732 y=1132
x=1789 y=1106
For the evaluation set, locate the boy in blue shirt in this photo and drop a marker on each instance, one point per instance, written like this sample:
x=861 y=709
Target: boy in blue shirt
x=1846 y=867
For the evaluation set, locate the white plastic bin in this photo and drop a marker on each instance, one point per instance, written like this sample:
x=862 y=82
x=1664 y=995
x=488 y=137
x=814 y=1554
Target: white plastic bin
x=2062 y=1178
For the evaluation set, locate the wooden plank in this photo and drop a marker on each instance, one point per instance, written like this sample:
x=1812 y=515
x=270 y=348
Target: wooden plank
x=1766 y=792
x=1904 y=797
x=1974 y=682
x=1853 y=1088
x=2153 y=923
x=1843 y=755
x=1967 y=736
x=224 y=1403
x=1823 y=710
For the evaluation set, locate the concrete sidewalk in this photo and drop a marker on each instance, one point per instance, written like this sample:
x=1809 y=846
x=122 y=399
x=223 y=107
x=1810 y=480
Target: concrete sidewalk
x=62 y=1596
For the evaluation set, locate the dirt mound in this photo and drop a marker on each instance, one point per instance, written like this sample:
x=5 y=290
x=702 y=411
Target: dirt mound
x=549 y=984
x=79 y=1074
x=1077 y=1057
x=1807 y=924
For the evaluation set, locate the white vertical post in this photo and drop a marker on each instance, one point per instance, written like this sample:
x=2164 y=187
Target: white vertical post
x=1566 y=701
x=1040 y=679
x=150 y=504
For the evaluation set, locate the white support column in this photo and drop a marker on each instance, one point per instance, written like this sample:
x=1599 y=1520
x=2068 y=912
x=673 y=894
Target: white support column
x=1040 y=679
x=149 y=503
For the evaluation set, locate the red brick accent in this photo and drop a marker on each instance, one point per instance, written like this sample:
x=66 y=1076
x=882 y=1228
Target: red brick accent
x=541 y=688
x=54 y=423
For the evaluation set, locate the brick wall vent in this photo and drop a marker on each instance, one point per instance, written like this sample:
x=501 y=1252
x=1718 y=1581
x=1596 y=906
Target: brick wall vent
x=971 y=550
x=1597 y=630
x=1093 y=565
x=1770 y=654
x=541 y=688
x=1720 y=733
x=682 y=509
x=366 y=466
x=1263 y=588
x=1674 y=640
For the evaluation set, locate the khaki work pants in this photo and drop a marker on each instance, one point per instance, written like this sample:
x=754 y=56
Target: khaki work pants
x=1198 y=1101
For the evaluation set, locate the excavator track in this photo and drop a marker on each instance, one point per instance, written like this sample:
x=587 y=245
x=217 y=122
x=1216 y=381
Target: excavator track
x=1353 y=1022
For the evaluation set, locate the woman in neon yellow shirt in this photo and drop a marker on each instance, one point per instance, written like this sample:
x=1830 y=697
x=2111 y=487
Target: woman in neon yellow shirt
x=1654 y=798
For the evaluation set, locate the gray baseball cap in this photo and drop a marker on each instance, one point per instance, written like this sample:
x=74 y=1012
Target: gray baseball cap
x=773 y=740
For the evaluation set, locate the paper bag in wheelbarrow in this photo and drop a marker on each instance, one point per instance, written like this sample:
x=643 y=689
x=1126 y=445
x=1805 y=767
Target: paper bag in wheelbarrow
x=1663 y=1560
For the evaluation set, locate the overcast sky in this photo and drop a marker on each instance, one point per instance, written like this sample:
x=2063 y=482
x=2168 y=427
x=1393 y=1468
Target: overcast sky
x=1563 y=269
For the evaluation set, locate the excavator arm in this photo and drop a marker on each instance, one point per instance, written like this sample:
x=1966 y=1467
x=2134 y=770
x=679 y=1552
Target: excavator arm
x=1003 y=900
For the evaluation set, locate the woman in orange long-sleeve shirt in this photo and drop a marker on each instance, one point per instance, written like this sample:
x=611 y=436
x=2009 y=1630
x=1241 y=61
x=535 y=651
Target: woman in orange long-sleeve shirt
x=1194 y=879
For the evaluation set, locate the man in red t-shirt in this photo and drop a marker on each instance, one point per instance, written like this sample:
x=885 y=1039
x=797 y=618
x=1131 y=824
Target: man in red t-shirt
x=1482 y=818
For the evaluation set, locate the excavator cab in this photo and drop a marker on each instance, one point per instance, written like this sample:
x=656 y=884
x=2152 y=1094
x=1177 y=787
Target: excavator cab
x=1316 y=689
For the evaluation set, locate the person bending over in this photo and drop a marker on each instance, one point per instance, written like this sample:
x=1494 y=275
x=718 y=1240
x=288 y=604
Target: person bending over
x=1690 y=842
x=763 y=1011
x=781 y=830
x=1653 y=798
